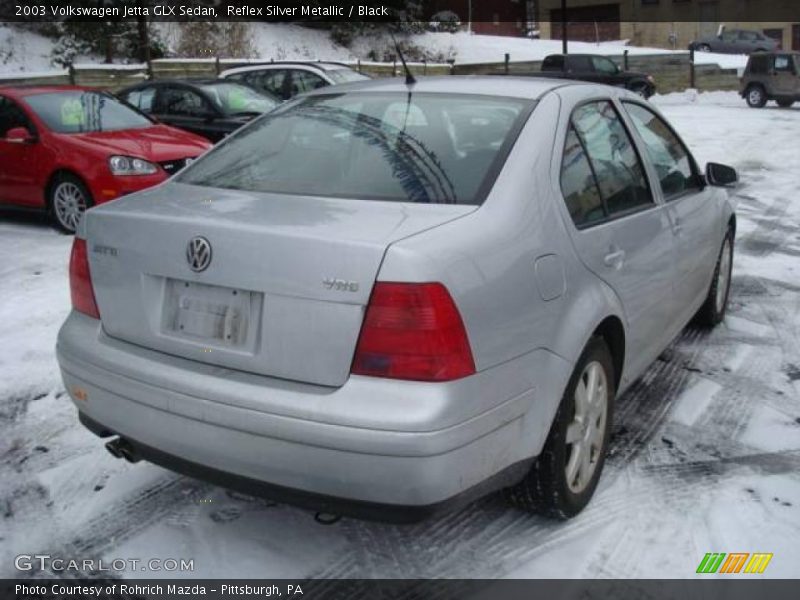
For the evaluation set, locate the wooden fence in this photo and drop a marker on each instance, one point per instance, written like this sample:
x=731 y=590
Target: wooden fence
x=671 y=71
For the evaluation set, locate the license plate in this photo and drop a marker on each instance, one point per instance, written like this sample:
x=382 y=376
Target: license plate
x=208 y=312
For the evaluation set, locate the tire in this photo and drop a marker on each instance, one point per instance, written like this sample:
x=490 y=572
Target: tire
x=68 y=198
x=756 y=96
x=713 y=310
x=547 y=488
x=785 y=103
x=702 y=48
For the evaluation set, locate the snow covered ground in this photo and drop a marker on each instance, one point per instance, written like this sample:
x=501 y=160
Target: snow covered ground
x=705 y=456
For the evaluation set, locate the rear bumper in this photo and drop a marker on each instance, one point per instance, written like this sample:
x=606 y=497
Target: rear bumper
x=367 y=447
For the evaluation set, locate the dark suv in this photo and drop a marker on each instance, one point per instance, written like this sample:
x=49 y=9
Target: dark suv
x=772 y=76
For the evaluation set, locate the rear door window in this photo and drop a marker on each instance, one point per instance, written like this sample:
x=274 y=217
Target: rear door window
x=670 y=157
x=274 y=81
x=304 y=81
x=613 y=157
x=783 y=64
x=180 y=101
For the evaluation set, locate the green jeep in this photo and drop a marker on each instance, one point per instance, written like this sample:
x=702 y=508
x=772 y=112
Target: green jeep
x=771 y=76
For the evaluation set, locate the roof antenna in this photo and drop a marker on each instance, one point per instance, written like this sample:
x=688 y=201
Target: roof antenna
x=410 y=80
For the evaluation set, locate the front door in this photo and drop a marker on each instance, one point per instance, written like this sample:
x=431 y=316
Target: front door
x=689 y=205
x=621 y=233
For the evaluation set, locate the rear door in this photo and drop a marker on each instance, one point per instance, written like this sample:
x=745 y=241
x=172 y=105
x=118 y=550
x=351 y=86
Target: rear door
x=692 y=212
x=621 y=233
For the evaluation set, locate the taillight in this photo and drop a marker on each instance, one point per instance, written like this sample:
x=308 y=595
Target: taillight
x=413 y=331
x=80 y=281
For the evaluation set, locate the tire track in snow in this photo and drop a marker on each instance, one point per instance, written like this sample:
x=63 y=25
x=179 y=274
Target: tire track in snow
x=489 y=532
x=127 y=517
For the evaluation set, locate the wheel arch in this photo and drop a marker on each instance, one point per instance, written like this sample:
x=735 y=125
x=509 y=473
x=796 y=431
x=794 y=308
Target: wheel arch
x=51 y=180
x=612 y=332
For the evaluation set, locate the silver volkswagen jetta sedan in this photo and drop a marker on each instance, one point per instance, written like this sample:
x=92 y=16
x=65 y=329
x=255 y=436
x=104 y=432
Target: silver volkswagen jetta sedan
x=386 y=298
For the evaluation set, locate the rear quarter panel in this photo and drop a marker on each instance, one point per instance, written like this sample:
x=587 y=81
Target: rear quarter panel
x=488 y=261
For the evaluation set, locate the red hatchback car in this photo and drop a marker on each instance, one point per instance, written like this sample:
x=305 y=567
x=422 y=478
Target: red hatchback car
x=66 y=148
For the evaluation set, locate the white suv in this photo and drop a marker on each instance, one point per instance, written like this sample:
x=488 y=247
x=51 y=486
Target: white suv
x=286 y=79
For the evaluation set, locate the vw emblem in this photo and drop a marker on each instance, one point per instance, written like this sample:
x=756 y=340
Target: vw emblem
x=198 y=253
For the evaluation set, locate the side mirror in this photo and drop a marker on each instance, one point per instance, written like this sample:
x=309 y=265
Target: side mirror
x=721 y=175
x=20 y=135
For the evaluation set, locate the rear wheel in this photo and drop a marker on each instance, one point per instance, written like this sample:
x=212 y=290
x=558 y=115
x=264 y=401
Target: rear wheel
x=563 y=478
x=756 y=96
x=785 y=103
x=68 y=200
x=713 y=310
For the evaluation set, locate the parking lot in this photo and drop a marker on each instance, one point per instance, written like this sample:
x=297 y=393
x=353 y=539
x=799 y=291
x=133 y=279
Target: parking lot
x=705 y=455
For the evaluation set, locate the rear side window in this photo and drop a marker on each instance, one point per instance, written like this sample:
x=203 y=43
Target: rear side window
x=783 y=64
x=427 y=148
x=617 y=172
x=578 y=183
x=759 y=64
x=669 y=156
x=604 y=65
x=141 y=99
x=553 y=63
x=183 y=102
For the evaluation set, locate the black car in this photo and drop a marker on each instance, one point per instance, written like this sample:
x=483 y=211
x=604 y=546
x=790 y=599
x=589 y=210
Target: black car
x=212 y=108
x=596 y=69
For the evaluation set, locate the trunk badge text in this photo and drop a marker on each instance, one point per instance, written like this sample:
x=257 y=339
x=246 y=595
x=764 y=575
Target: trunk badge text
x=340 y=285
x=107 y=250
x=198 y=254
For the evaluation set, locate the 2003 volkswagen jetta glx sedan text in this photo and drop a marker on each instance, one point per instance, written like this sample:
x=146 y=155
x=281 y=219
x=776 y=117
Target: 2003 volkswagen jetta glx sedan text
x=390 y=297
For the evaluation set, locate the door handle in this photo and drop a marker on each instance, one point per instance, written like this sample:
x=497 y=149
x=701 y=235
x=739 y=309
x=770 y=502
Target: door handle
x=677 y=226
x=615 y=258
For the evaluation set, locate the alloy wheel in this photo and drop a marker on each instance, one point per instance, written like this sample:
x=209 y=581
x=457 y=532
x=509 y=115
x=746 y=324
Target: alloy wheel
x=69 y=204
x=586 y=431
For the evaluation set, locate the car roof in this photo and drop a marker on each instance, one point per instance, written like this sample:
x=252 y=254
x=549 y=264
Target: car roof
x=189 y=82
x=774 y=53
x=489 y=85
x=318 y=65
x=20 y=91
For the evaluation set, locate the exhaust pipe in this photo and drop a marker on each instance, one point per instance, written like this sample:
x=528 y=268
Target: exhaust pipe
x=120 y=448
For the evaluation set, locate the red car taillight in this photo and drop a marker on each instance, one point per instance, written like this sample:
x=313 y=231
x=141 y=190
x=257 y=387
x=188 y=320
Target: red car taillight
x=80 y=280
x=413 y=331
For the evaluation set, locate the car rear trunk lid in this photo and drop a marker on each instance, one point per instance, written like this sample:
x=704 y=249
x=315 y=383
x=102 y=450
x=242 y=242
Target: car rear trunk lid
x=285 y=287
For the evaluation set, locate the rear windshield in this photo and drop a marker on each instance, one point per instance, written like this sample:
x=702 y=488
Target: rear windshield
x=435 y=148
x=82 y=112
x=236 y=99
